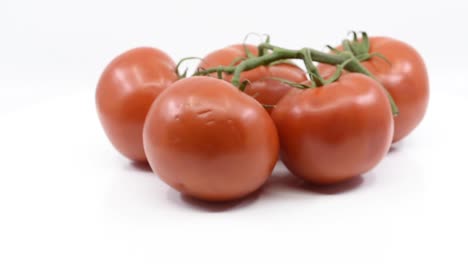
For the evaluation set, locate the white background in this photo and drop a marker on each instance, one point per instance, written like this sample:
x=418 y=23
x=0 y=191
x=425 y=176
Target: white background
x=66 y=196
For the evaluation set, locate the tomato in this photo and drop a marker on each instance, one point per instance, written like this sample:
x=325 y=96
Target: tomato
x=405 y=78
x=262 y=87
x=207 y=139
x=335 y=132
x=269 y=91
x=127 y=88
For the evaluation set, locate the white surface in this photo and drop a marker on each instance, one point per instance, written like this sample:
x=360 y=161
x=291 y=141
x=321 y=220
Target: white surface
x=66 y=196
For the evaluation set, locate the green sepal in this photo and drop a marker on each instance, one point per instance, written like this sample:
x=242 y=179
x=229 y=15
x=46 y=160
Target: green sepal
x=177 y=68
x=243 y=85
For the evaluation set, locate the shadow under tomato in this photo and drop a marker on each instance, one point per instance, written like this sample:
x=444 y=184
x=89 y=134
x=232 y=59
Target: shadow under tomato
x=211 y=207
x=395 y=148
x=286 y=181
x=338 y=188
x=141 y=166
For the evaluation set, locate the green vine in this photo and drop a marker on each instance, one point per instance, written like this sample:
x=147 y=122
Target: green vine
x=349 y=59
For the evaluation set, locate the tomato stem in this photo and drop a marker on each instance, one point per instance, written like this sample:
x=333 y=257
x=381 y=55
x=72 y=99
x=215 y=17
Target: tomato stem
x=346 y=59
x=177 y=69
x=266 y=59
x=225 y=69
x=314 y=75
x=279 y=53
x=269 y=54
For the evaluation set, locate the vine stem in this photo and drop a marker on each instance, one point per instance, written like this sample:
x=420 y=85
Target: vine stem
x=266 y=59
x=308 y=55
x=284 y=54
x=327 y=58
x=225 y=69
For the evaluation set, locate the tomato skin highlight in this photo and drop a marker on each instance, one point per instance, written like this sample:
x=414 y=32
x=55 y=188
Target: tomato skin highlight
x=406 y=79
x=262 y=86
x=207 y=139
x=125 y=91
x=335 y=132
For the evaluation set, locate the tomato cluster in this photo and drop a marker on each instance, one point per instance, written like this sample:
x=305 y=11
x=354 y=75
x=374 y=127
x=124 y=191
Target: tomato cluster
x=217 y=135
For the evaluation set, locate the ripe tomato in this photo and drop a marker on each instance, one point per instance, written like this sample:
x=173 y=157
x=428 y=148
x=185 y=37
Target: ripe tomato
x=262 y=87
x=269 y=91
x=207 y=139
x=332 y=133
x=125 y=92
x=405 y=78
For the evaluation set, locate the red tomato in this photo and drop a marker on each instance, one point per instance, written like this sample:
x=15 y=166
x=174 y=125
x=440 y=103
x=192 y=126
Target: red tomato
x=269 y=91
x=405 y=79
x=262 y=87
x=335 y=132
x=125 y=92
x=207 y=139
